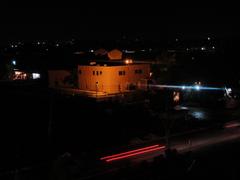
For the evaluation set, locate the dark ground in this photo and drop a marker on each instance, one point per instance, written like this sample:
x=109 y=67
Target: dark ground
x=86 y=130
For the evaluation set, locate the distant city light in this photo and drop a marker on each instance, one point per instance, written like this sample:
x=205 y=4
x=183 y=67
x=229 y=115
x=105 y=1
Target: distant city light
x=93 y=63
x=19 y=75
x=38 y=43
x=130 y=52
x=183 y=87
x=193 y=58
x=17 y=72
x=203 y=48
x=176 y=39
x=128 y=61
x=57 y=45
x=208 y=38
x=14 y=62
x=91 y=50
x=197 y=83
x=213 y=47
x=176 y=96
x=36 y=75
x=12 y=46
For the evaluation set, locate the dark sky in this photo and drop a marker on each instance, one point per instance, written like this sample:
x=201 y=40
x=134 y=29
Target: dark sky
x=102 y=22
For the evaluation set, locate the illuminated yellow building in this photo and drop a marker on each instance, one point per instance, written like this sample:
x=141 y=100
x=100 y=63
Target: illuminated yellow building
x=112 y=78
x=108 y=78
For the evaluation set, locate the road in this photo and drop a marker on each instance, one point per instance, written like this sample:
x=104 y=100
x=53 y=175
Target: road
x=182 y=143
x=195 y=140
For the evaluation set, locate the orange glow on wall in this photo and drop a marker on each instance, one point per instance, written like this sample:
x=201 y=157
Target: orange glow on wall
x=111 y=79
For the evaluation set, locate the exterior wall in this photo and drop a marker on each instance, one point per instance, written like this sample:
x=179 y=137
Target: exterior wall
x=108 y=79
x=56 y=78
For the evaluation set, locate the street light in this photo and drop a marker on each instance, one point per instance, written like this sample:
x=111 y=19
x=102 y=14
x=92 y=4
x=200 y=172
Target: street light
x=96 y=88
x=14 y=62
x=197 y=87
x=128 y=61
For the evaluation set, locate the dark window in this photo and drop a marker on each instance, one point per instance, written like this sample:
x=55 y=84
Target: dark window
x=93 y=72
x=100 y=72
x=97 y=73
x=80 y=72
x=121 y=73
x=138 y=71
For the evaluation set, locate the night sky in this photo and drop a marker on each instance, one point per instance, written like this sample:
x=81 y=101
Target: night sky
x=107 y=23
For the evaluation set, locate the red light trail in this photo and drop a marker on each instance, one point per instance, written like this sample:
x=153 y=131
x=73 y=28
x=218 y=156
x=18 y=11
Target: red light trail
x=132 y=153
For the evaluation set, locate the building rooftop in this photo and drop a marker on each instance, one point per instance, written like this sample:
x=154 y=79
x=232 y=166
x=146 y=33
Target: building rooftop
x=120 y=62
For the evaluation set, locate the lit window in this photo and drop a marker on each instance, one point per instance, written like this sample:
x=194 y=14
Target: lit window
x=36 y=76
x=176 y=97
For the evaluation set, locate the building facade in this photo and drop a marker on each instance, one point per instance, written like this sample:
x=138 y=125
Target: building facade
x=105 y=78
x=112 y=79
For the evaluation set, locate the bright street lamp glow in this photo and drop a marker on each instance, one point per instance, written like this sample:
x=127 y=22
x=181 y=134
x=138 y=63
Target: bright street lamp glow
x=197 y=88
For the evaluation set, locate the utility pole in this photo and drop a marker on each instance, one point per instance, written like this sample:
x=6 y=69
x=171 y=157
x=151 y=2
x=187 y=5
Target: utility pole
x=96 y=89
x=50 y=121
